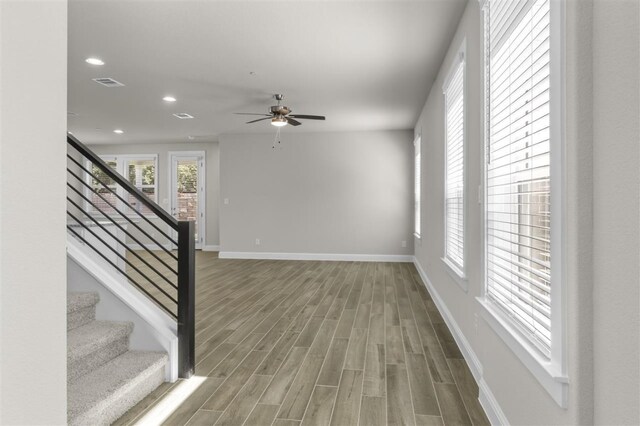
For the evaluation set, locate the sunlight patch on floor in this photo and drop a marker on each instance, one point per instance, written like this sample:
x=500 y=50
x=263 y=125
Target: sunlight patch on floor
x=170 y=403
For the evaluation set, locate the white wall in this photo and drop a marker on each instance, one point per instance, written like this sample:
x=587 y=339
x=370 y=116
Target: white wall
x=336 y=193
x=33 y=98
x=616 y=149
x=162 y=150
x=601 y=142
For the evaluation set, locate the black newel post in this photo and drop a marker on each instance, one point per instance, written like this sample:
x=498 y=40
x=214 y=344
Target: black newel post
x=186 y=299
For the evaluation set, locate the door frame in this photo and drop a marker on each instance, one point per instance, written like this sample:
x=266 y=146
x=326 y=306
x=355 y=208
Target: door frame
x=201 y=157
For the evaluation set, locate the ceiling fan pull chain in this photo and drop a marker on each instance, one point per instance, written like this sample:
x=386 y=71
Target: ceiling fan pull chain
x=276 y=139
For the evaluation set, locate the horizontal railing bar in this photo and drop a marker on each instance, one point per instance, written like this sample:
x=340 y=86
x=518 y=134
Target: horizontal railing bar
x=124 y=215
x=99 y=162
x=122 y=228
x=115 y=251
x=133 y=252
x=117 y=196
x=122 y=272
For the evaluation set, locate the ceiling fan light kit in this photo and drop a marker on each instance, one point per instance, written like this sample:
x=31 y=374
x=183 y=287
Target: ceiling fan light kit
x=279 y=121
x=279 y=115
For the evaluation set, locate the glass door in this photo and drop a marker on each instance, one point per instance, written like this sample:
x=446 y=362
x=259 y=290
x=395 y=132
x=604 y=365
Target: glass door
x=188 y=191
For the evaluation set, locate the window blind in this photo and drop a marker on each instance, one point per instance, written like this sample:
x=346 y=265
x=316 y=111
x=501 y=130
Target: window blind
x=454 y=167
x=416 y=185
x=519 y=164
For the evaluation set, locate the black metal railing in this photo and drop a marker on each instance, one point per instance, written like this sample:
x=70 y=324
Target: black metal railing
x=153 y=250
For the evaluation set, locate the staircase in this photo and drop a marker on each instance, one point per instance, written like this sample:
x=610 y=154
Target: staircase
x=105 y=378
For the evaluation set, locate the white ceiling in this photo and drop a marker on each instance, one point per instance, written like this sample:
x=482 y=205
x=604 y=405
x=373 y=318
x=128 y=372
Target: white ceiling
x=365 y=65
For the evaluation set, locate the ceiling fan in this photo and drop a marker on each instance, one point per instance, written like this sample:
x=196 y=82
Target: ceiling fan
x=280 y=115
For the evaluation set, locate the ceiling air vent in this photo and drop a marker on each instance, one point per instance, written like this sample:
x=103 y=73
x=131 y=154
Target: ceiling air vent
x=109 y=82
x=183 y=115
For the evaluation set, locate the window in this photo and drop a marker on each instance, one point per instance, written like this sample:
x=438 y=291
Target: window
x=523 y=202
x=141 y=173
x=102 y=196
x=139 y=170
x=416 y=185
x=454 y=190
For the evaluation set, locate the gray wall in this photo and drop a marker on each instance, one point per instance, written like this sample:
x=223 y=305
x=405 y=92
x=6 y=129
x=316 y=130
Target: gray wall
x=616 y=144
x=162 y=150
x=33 y=104
x=337 y=193
x=602 y=283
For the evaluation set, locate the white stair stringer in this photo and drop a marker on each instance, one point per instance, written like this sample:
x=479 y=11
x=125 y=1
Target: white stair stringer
x=161 y=327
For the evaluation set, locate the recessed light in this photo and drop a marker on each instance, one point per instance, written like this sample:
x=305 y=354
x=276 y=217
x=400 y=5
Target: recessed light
x=169 y=99
x=118 y=131
x=94 y=61
x=191 y=137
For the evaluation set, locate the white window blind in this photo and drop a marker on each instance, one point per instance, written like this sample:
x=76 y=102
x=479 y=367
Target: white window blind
x=454 y=166
x=416 y=185
x=519 y=164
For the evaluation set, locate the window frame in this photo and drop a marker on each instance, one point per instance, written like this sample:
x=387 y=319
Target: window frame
x=121 y=167
x=455 y=270
x=417 y=187
x=550 y=371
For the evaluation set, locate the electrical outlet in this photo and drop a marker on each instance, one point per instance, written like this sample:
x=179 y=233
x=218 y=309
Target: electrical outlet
x=226 y=201
x=257 y=241
x=403 y=243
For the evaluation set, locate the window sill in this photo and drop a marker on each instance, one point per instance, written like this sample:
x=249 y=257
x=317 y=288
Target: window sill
x=458 y=276
x=548 y=372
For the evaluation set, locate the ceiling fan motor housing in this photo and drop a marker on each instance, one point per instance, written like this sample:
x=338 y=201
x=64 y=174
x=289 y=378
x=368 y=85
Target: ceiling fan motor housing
x=280 y=110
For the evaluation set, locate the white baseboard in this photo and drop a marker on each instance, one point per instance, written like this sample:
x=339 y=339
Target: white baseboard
x=316 y=256
x=211 y=248
x=490 y=405
x=468 y=353
x=486 y=398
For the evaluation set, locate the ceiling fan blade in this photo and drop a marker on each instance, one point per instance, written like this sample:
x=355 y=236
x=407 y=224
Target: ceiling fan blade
x=293 y=122
x=308 y=117
x=251 y=113
x=259 y=119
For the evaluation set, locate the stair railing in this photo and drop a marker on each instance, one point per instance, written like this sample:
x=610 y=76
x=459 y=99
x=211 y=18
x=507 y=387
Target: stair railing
x=153 y=250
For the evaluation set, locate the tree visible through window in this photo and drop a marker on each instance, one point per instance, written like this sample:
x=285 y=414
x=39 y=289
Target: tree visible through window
x=141 y=173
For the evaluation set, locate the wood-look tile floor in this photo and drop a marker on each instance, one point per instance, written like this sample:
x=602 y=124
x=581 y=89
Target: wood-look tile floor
x=290 y=343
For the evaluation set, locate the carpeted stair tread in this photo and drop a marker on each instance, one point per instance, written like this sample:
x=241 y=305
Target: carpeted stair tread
x=94 y=336
x=77 y=301
x=103 y=395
